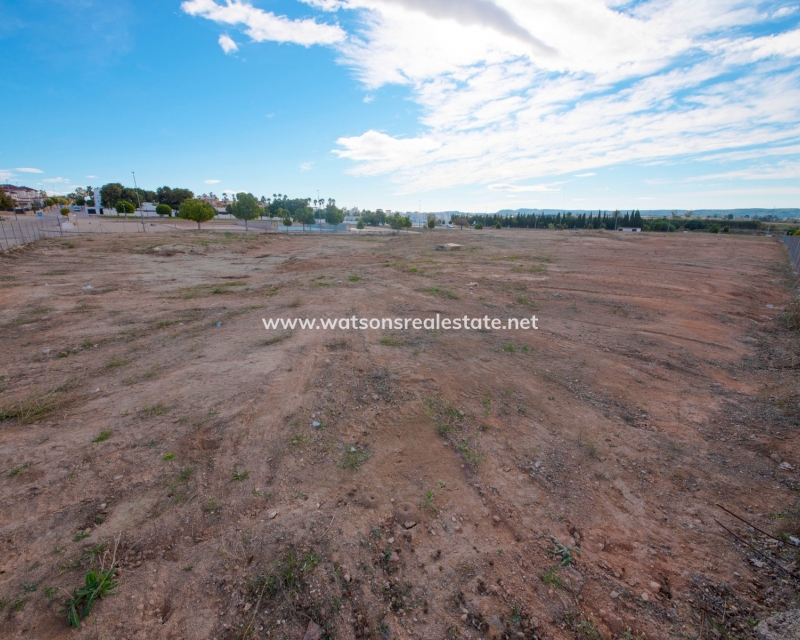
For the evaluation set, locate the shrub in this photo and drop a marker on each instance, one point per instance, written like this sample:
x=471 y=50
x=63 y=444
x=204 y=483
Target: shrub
x=65 y=211
x=479 y=225
x=497 y=225
x=123 y=206
x=725 y=229
x=164 y=210
x=360 y=225
x=714 y=228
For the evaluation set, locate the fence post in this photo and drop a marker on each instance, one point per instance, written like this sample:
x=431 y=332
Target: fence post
x=2 y=224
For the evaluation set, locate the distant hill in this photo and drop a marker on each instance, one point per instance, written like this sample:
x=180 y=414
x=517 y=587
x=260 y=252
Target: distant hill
x=658 y=213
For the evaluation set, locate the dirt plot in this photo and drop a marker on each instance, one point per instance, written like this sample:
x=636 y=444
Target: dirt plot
x=558 y=483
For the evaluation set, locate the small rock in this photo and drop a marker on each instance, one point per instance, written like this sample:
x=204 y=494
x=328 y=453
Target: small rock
x=655 y=587
x=316 y=424
x=313 y=631
x=247 y=606
x=375 y=396
x=786 y=466
x=271 y=515
x=347 y=577
x=775 y=458
x=538 y=464
x=394 y=557
x=327 y=361
x=496 y=518
x=119 y=477
x=645 y=596
x=614 y=595
x=390 y=541
x=576 y=535
x=409 y=524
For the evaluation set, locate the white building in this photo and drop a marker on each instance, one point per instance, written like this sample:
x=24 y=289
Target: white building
x=23 y=196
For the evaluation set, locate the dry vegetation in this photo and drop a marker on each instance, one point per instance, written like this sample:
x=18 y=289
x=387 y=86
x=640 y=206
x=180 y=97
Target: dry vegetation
x=405 y=484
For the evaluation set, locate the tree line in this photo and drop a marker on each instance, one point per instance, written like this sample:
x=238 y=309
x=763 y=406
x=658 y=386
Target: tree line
x=113 y=193
x=245 y=206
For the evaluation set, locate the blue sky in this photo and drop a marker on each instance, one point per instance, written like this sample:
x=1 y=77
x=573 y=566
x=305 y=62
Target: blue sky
x=474 y=105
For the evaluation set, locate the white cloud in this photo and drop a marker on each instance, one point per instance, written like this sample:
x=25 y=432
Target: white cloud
x=325 y=5
x=382 y=153
x=212 y=181
x=227 y=43
x=369 y=99
x=645 y=85
x=92 y=177
x=784 y=170
x=534 y=188
x=515 y=91
x=785 y=11
x=57 y=180
x=263 y=25
x=306 y=166
x=28 y=170
x=5 y=174
x=585 y=175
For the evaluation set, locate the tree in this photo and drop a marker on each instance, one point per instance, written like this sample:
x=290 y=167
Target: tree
x=198 y=211
x=245 y=207
x=407 y=224
x=360 y=224
x=65 y=211
x=304 y=215
x=431 y=222
x=123 y=206
x=395 y=222
x=479 y=225
x=164 y=210
x=6 y=201
x=497 y=225
x=172 y=197
x=459 y=221
x=333 y=214
x=111 y=193
x=287 y=222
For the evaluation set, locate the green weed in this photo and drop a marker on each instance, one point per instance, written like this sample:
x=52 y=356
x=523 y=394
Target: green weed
x=103 y=436
x=98 y=584
x=354 y=458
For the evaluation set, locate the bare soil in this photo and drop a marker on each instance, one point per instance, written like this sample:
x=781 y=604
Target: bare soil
x=152 y=421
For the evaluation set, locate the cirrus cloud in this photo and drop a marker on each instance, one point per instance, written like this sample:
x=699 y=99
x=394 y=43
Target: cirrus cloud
x=28 y=170
x=511 y=91
x=263 y=25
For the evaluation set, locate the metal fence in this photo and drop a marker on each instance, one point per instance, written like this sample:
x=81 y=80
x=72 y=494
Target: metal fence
x=793 y=243
x=15 y=231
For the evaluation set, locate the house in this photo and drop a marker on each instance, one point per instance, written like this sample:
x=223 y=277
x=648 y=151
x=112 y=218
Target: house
x=630 y=229
x=23 y=196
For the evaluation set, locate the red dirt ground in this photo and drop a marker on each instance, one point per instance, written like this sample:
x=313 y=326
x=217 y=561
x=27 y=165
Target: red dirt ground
x=659 y=384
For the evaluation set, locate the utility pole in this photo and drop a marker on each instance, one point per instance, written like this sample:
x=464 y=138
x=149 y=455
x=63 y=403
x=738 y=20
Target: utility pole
x=138 y=201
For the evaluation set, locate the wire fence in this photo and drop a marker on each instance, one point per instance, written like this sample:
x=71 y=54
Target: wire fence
x=15 y=232
x=793 y=244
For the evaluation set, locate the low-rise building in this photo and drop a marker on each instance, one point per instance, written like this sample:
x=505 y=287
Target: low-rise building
x=23 y=196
